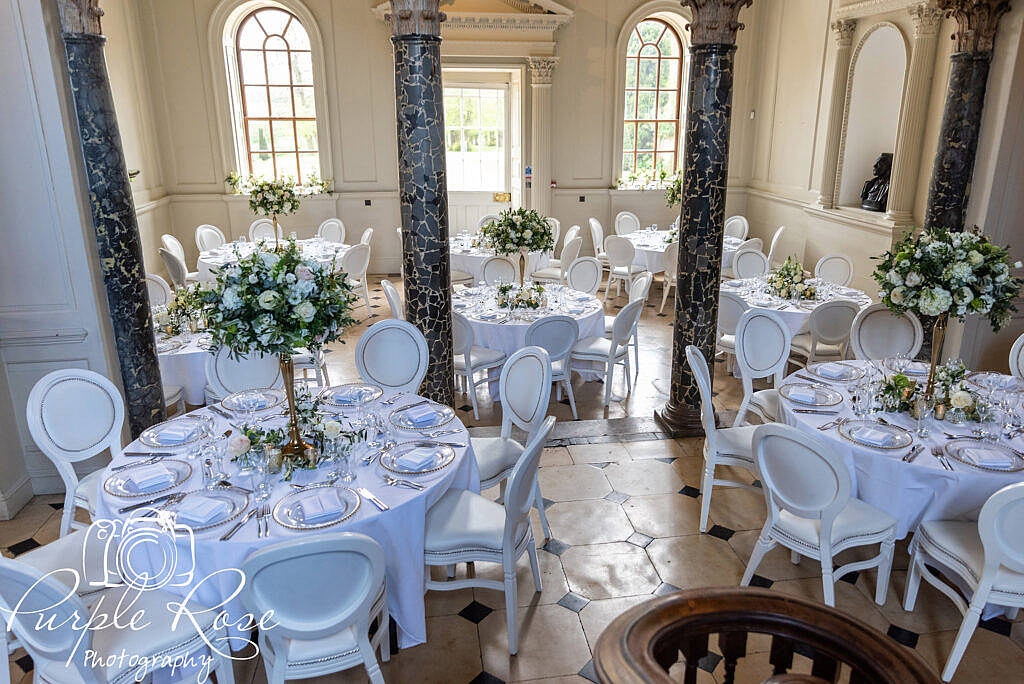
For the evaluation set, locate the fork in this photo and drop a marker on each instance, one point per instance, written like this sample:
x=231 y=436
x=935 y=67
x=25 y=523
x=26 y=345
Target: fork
x=440 y=433
x=396 y=482
x=175 y=498
x=937 y=453
x=392 y=400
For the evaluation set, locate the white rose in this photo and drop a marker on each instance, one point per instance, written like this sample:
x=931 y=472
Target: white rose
x=960 y=399
x=913 y=279
x=332 y=429
x=269 y=259
x=238 y=446
x=894 y=278
x=897 y=295
x=305 y=312
x=975 y=258
x=268 y=299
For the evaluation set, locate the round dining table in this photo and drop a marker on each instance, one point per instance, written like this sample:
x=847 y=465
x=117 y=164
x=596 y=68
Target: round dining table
x=650 y=249
x=314 y=249
x=469 y=259
x=182 y=361
x=399 y=529
x=794 y=314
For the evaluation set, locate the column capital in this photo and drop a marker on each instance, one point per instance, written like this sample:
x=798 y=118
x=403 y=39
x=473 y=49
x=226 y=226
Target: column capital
x=977 y=22
x=541 y=69
x=80 y=16
x=416 y=17
x=843 y=30
x=715 y=21
x=927 y=19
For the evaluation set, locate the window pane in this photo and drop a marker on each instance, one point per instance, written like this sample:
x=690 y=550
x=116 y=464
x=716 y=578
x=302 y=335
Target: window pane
x=280 y=101
x=287 y=165
x=451 y=107
x=645 y=136
x=666 y=136
x=302 y=68
x=668 y=45
x=666 y=105
x=648 y=73
x=304 y=104
x=284 y=136
x=475 y=139
x=649 y=51
x=472 y=141
x=262 y=165
x=273 y=20
x=649 y=30
x=645 y=162
x=454 y=142
x=627 y=163
x=275 y=43
x=277 y=68
x=645 y=106
x=255 y=101
x=666 y=160
x=631 y=105
x=631 y=73
x=633 y=47
x=307 y=135
x=296 y=36
x=251 y=35
x=669 y=77
x=629 y=137
x=470 y=111
x=309 y=165
x=252 y=67
x=489 y=113
x=259 y=135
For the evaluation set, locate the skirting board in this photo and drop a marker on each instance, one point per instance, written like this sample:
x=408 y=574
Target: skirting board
x=14 y=497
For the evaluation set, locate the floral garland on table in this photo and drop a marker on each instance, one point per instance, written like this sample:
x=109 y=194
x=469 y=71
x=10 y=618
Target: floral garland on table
x=941 y=272
x=789 y=280
x=513 y=297
x=518 y=231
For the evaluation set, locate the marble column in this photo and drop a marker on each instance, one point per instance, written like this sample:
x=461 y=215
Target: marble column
x=702 y=221
x=541 y=69
x=423 y=186
x=843 y=30
x=949 y=190
x=906 y=161
x=113 y=213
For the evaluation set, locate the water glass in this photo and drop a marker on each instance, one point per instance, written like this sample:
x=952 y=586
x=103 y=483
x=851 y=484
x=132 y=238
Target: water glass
x=923 y=408
x=342 y=449
x=987 y=420
x=260 y=477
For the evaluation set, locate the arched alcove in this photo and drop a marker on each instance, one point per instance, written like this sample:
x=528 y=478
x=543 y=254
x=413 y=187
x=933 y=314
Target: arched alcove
x=873 y=107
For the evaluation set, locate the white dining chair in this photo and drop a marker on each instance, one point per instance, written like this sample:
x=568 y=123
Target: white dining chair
x=321 y=625
x=737 y=227
x=762 y=351
x=74 y=414
x=173 y=245
x=158 y=290
x=209 y=237
x=485 y=219
x=366 y=237
x=670 y=270
x=626 y=222
x=597 y=237
x=730 y=308
x=1017 y=358
x=498 y=269
x=584 y=274
x=524 y=389
x=749 y=263
x=354 y=264
x=835 y=268
x=986 y=558
x=638 y=290
x=304 y=360
x=878 y=333
x=392 y=354
x=332 y=230
x=729 y=446
x=394 y=299
x=471 y=359
x=461 y=278
x=570 y=235
x=557 y=335
x=610 y=352
x=176 y=269
x=263 y=229
x=464 y=527
x=556 y=274
x=811 y=512
x=556 y=229
x=829 y=332
x=60 y=651
x=752 y=243
x=226 y=375
x=774 y=252
x=621 y=268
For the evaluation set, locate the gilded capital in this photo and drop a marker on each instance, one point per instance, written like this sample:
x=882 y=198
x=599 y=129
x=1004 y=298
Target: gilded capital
x=416 y=17
x=715 y=21
x=977 y=22
x=843 y=30
x=80 y=16
x=927 y=19
x=541 y=69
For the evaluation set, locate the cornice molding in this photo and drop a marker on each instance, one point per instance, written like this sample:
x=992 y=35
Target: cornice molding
x=550 y=20
x=868 y=8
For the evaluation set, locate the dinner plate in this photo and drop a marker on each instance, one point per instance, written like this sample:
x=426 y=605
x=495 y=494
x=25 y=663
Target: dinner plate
x=402 y=417
x=165 y=346
x=851 y=373
x=236 y=500
x=961 y=450
x=354 y=394
x=268 y=399
x=289 y=510
x=120 y=484
x=987 y=380
x=440 y=457
x=817 y=396
x=160 y=435
x=856 y=431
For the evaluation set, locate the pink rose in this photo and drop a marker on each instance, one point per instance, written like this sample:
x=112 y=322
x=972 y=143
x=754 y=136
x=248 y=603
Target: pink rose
x=238 y=446
x=302 y=272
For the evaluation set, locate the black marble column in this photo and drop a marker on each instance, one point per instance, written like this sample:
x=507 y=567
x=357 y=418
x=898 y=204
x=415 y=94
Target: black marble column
x=702 y=228
x=117 y=232
x=423 y=189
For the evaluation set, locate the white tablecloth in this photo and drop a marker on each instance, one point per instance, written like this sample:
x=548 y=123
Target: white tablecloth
x=471 y=260
x=398 y=530
x=793 y=316
x=186 y=366
x=729 y=247
x=323 y=253
x=910 y=492
x=650 y=249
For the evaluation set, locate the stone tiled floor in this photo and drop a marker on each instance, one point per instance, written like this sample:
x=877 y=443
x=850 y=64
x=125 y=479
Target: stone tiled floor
x=624 y=504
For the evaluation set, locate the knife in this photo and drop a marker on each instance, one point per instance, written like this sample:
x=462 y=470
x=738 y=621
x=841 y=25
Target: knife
x=913 y=453
x=367 y=494
x=810 y=379
x=418 y=403
x=238 y=525
x=454 y=445
x=150 y=454
x=816 y=412
x=143 y=504
x=219 y=411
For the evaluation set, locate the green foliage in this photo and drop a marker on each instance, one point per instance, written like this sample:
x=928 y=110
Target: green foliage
x=790 y=280
x=518 y=230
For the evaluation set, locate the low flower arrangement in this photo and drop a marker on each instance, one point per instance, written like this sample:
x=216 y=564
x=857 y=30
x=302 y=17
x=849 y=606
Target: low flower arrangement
x=789 y=280
x=897 y=393
x=513 y=297
x=518 y=231
x=673 y=235
x=654 y=179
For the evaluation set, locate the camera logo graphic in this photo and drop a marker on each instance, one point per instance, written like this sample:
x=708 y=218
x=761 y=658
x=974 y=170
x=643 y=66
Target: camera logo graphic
x=156 y=552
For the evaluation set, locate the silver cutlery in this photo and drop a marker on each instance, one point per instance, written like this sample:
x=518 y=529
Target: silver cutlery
x=937 y=453
x=392 y=400
x=169 y=502
x=453 y=445
x=810 y=379
x=441 y=433
x=151 y=459
x=418 y=403
x=219 y=411
x=833 y=423
x=265 y=518
x=912 y=454
x=369 y=496
x=367 y=460
x=816 y=412
x=238 y=525
x=150 y=454
x=227 y=485
x=396 y=482
x=143 y=504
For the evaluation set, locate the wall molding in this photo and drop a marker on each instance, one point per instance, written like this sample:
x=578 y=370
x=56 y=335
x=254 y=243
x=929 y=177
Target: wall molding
x=33 y=338
x=554 y=17
x=14 y=497
x=868 y=8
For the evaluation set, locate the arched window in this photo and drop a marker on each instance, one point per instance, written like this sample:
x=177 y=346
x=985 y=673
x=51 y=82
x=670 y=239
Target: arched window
x=654 y=77
x=275 y=78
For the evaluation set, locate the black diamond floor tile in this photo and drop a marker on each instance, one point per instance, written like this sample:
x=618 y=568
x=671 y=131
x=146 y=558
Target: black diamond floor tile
x=709 y=662
x=486 y=678
x=639 y=539
x=998 y=625
x=588 y=672
x=617 y=497
x=25 y=663
x=722 y=532
x=548 y=503
x=555 y=546
x=23 y=546
x=668 y=459
x=665 y=588
x=756 y=483
x=573 y=602
x=57 y=506
x=475 y=612
x=465 y=407
x=903 y=636
x=851 y=578
x=760 y=581
x=689 y=491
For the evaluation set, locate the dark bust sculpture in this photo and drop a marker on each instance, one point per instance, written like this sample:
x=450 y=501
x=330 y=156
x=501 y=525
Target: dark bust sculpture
x=875 y=195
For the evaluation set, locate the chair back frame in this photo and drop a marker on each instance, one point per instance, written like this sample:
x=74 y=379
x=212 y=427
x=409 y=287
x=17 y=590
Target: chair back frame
x=835 y=268
x=624 y=324
x=173 y=245
x=570 y=253
x=737 y=227
x=485 y=219
x=671 y=260
x=597 y=236
x=999 y=525
x=226 y=375
x=382 y=366
x=571 y=234
x=209 y=237
x=519 y=492
x=556 y=228
x=620 y=251
x=263 y=229
x=1017 y=358
x=878 y=314
x=757 y=330
x=831 y=322
x=394 y=299
x=332 y=230
x=176 y=268
x=748 y=262
x=355 y=261
x=158 y=290
x=626 y=222
x=498 y=269
x=587 y=267
x=524 y=388
x=556 y=335
x=366 y=237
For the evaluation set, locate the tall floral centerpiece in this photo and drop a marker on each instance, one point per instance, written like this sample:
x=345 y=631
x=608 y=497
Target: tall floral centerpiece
x=518 y=231
x=940 y=274
x=274 y=302
x=273 y=198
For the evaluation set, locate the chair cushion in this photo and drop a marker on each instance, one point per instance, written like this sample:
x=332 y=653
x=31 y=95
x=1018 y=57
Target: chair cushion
x=479 y=357
x=172 y=394
x=554 y=263
x=87 y=490
x=727 y=342
x=737 y=442
x=462 y=520
x=957 y=545
x=595 y=348
x=461 y=276
x=802 y=345
x=632 y=269
x=766 y=402
x=609 y=323
x=549 y=273
x=495 y=455
x=857 y=520
x=71 y=551
x=558 y=367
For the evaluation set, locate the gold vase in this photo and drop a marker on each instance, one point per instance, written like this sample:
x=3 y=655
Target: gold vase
x=295 y=448
x=522 y=268
x=938 y=337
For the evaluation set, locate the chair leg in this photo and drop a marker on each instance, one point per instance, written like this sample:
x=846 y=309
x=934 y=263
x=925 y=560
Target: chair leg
x=629 y=374
x=884 y=570
x=764 y=545
x=511 y=601
x=963 y=637
x=275 y=674
x=366 y=297
x=1011 y=613
x=609 y=374
x=370 y=661
x=706 y=485
x=385 y=627
x=794 y=557
x=664 y=297
x=572 y=398
x=472 y=393
x=607 y=286
x=913 y=581
x=538 y=502
x=828 y=582
x=535 y=566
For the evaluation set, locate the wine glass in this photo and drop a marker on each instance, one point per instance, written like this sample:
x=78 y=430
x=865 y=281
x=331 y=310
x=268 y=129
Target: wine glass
x=923 y=408
x=260 y=477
